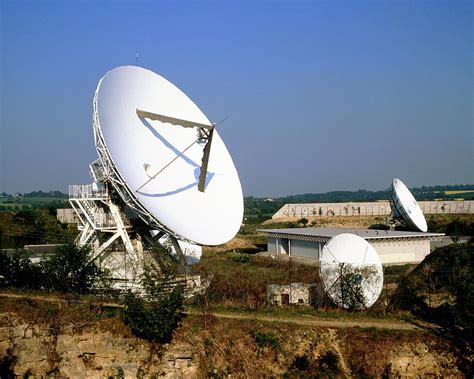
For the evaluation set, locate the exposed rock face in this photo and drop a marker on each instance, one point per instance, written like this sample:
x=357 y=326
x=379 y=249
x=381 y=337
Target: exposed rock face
x=40 y=350
x=224 y=347
x=416 y=360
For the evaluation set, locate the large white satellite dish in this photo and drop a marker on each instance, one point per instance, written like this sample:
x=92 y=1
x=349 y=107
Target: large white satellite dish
x=351 y=272
x=155 y=146
x=163 y=177
x=405 y=208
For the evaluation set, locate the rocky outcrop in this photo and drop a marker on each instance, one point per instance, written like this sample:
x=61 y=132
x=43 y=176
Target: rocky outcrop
x=40 y=350
x=219 y=347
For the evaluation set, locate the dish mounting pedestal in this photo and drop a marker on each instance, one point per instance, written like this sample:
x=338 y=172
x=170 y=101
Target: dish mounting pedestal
x=107 y=231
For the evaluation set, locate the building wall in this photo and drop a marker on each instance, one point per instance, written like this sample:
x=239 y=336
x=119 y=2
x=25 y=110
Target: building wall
x=296 y=293
x=283 y=246
x=390 y=252
x=67 y=216
x=397 y=252
x=306 y=249
x=272 y=245
x=375 y=208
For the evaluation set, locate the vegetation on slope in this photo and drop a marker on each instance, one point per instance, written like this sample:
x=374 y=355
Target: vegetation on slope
x=34 y=226
x=441 y=288
x=240 y=280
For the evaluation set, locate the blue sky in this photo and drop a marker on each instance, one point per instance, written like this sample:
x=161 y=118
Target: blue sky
x=336 y=95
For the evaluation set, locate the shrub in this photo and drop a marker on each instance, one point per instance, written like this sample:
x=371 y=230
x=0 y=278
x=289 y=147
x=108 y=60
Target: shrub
x=238 y=257
x=265 y=339
x=303 y=221
x=7 y=362
x=18 y=271
x=70 y=269
x=156 y=316
x=328 y=364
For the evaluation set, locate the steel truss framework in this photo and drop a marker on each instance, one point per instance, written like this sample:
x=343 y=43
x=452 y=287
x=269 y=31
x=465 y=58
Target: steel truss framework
x=103 y=225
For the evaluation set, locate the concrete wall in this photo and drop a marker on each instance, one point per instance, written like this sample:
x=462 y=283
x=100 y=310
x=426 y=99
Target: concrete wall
x=296 y=293
x=67 y=216
x=272 y=245
x=306 y=249
x=376 y=208
x=390 y=252
x=402 y=251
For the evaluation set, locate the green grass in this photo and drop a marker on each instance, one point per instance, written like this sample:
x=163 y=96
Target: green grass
x=302 y=311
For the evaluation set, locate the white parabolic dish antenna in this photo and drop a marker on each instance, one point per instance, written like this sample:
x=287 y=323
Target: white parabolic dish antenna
x=404 y=206
x=351 y=272
x=150 y=137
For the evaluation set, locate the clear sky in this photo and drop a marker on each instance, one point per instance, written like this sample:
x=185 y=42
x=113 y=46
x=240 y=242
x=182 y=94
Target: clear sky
x=336 y=95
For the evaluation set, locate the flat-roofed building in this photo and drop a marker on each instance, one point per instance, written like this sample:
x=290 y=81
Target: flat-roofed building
x=392 y=246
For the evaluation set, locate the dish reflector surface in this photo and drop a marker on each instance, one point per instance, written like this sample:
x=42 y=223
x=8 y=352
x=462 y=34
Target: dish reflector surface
x=351 y=271
x=406 y=206
x=139 y=147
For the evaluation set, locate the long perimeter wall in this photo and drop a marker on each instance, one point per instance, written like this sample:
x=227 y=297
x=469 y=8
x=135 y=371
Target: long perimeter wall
x=376 y=208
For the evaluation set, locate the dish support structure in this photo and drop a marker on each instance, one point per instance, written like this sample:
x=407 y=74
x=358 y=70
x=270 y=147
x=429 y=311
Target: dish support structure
x=103 y=225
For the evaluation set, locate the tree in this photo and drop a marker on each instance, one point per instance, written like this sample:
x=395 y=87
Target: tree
x=71 y=269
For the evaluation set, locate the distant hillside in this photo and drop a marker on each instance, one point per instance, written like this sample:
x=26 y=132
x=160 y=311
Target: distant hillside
x=49 y=194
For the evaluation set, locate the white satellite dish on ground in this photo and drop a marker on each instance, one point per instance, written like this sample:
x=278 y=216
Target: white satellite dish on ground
x=351 y=272
x=405 y=208
x=160 y=161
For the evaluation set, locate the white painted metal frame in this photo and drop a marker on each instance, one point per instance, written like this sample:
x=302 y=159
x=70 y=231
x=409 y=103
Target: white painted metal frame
x=94 y=220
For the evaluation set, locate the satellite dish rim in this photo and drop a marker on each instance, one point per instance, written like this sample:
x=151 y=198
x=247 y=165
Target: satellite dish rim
x=123 y=187
x=336 y=251
x=401 y=196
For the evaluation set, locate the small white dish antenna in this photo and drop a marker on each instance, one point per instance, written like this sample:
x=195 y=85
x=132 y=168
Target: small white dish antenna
x=405 y=208
x=351 y=272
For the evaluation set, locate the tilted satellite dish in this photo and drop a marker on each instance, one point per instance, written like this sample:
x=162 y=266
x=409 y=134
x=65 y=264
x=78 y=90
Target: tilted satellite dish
x=160 y=161
x=351 y=272
x=164 y=157
x=405 y=208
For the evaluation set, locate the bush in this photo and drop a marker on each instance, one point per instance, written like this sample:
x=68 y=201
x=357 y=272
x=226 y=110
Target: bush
x=303 y=221
x=70 y=269
x=18 y=271
x=327 y=366
x=238 y=257
x=156 y=316
x=265 y=339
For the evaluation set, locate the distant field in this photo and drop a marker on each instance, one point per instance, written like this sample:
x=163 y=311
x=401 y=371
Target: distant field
x=23 y=203
x=458 y=192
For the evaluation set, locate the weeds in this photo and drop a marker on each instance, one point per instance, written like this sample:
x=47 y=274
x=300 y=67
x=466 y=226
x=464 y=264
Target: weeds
x=265 y=339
